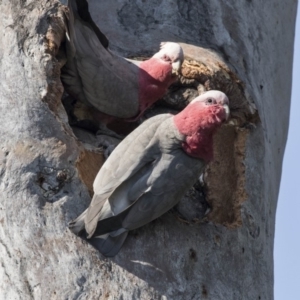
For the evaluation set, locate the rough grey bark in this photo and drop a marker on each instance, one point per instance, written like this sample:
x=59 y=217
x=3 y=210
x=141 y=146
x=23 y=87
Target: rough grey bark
x=43 y=167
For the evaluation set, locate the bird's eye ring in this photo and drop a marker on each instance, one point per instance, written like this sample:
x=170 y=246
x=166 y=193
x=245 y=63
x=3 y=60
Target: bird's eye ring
x=209 y=100
x=166 y=57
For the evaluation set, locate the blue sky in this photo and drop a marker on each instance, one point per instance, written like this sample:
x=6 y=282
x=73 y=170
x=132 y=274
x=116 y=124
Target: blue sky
x=287 y=234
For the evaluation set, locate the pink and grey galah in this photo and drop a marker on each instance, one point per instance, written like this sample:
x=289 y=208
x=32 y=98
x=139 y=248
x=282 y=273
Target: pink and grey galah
x=150 y=171
x=111 y=84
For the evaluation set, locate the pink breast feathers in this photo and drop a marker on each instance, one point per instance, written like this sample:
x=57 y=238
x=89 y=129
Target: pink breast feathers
x=154 y=78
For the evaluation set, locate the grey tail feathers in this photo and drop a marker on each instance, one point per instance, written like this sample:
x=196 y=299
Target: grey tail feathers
x=78 y=225
x=108 y=245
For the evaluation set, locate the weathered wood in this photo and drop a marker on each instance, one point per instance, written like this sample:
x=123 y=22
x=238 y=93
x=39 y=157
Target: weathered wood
x=41 y=160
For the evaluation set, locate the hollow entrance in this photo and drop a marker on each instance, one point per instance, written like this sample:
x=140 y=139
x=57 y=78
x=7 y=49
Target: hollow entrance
x=223 y=185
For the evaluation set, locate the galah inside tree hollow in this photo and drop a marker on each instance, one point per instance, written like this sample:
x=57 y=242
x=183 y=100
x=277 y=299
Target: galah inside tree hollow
x=150 y=171
x=109 y=83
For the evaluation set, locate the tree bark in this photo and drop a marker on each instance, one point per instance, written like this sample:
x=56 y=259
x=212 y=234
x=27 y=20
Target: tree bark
x=46 y=172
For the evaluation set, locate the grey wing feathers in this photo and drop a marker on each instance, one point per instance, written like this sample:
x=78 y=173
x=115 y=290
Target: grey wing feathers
x=129 y=155
x=78 y=225
x=95 y=75
x=153 y=189
x=135 y=151
x=160 y=193
x=81 y=7
x=110 y=83
x=145 y=176
x=165 y=192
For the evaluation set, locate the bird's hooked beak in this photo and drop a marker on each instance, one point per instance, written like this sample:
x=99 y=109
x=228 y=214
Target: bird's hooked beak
x=227 y=111
x=176 y=65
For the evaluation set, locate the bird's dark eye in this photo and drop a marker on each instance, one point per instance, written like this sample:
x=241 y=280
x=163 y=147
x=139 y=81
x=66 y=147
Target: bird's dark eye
x=210 y=101
x=166 y=57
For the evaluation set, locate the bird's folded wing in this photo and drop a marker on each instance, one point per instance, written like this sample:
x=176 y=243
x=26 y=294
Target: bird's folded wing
x=159 y=195
x=81 y=9
x=135 y=151
x=109 y=82
x=168 y=183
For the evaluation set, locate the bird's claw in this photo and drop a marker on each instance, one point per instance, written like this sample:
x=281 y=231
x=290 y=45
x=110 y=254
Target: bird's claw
x=108 y=143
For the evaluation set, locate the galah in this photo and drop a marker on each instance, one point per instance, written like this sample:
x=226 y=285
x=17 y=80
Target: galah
x=150 y=171
x=110 y=83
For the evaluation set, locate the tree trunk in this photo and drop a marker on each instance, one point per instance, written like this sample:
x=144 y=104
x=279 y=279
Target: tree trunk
x=244 y=49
